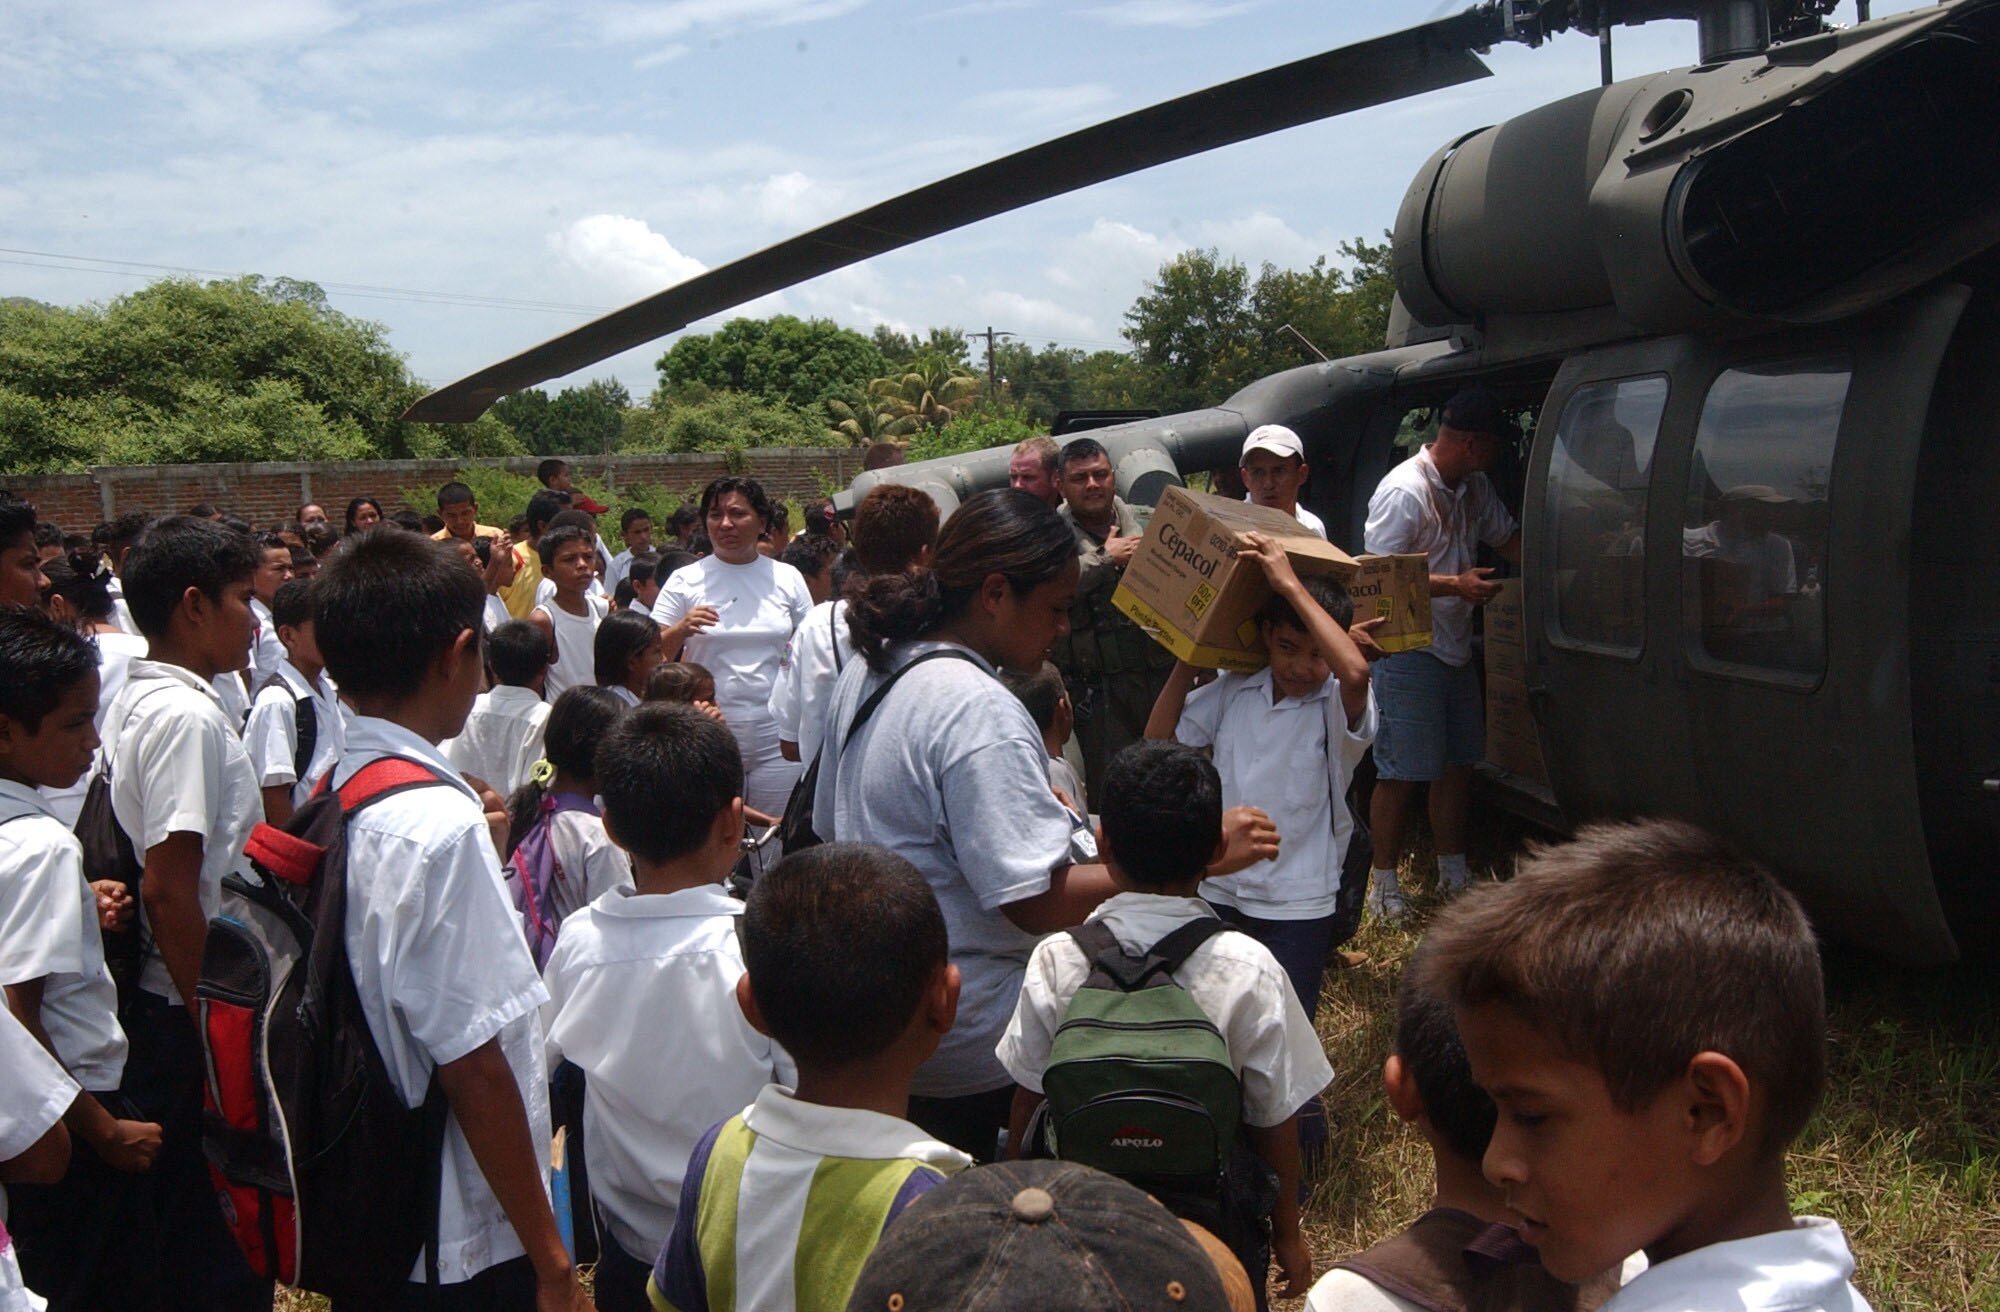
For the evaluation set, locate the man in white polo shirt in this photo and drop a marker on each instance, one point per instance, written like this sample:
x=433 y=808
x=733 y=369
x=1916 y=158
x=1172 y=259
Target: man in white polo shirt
x=1274 y=469
x=1432 y=729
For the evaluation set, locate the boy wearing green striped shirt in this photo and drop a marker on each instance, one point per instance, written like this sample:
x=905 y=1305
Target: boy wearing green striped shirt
x=781 y=1205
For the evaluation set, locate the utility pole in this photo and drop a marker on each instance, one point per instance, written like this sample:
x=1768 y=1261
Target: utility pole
x=992 y=370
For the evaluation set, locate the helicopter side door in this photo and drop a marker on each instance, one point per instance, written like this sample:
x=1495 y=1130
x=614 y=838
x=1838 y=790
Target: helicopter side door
x=1761 y=684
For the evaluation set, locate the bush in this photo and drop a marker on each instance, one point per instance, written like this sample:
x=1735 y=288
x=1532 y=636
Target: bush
x=976 y=430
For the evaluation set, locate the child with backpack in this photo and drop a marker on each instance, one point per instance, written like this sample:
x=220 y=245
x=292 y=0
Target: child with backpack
x=74 y=1234
x=447 y=987
x=644 y=983
x=558 y=857
x=847 y=967
x=181 y=789
x=570 y=615
x=296 y=731
x=626 y=651
x=1161 y=826
x=502 y=737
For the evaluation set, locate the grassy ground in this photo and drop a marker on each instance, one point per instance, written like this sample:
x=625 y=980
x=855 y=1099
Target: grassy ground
x=1904 y=1153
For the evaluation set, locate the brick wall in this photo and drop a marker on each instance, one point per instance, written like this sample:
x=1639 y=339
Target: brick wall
x=262 y=493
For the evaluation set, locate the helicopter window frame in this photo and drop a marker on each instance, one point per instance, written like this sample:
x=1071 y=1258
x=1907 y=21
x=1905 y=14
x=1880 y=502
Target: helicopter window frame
x=1809 y=564
x=1566 y=477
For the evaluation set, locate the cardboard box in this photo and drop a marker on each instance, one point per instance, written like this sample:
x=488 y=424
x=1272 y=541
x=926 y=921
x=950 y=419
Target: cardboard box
x=1396 y=590
x=1512 y=741
x=1186 y=587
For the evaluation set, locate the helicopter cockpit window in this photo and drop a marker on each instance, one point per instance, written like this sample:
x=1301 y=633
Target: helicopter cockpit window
x=1597 y=507
x=1753 y=546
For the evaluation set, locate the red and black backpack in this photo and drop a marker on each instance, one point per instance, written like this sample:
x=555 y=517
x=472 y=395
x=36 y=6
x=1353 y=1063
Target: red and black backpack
x=328 y=1179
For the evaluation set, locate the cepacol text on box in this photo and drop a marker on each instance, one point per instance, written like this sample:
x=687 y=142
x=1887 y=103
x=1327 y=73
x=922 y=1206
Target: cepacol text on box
x=1397 y=591
x=1187 y=588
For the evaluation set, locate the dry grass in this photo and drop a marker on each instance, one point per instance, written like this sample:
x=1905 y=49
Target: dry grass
x=1905 y=1151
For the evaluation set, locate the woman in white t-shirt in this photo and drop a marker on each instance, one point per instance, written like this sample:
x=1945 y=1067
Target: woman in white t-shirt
x=950 y=773
x=733 y=612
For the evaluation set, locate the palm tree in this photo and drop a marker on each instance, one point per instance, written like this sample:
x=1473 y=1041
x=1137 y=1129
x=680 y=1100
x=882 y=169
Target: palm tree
x=862 y=421
x=929 y=395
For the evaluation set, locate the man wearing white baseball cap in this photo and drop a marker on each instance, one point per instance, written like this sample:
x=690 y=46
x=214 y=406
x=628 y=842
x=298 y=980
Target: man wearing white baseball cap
x=1274 y=469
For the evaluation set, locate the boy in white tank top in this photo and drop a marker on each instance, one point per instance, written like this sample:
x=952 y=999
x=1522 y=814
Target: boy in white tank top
x=569 y=618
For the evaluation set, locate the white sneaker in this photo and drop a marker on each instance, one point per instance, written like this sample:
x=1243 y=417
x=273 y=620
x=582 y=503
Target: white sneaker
x=1386 y=904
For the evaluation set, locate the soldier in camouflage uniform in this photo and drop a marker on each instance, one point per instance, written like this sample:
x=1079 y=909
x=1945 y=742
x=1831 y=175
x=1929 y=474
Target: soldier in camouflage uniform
x=1114 y=671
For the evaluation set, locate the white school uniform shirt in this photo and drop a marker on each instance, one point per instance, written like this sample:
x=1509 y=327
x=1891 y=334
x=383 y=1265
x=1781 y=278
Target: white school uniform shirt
x=34 y=1094
x=115 y=654
x=575 y=665
x=760 y=606
x=266 y=652
x=1275 y=755
x=951 y=775
x=1232 y=977
x=178 y=766
x=592 y=864
x=272 y=734
x=502 y=737
x=495 y=614
x=1412 y=510
x=1806 y=1268
x=615 y=571
x=441 y=967
x=803 y=685
x=232 y=696
x=661 y=968
x=48 y=931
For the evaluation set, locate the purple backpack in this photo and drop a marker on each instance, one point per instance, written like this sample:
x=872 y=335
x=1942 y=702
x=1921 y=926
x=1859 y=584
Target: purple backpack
x=535 y=874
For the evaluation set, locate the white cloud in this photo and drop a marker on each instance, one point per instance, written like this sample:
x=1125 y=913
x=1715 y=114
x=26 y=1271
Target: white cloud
x=623 y=22
x=1035 y=318
x=623 y=255
x=1256 y=237
x=209 y=24
x=1110 y=255
x=1167 y=13
x=1042 y=105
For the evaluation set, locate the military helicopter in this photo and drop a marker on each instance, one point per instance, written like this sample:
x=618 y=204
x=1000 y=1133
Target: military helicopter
x=1753 y=308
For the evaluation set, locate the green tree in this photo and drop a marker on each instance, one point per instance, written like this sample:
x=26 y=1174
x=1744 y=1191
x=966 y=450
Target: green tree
x=787 y=360
x=727 y=421
x=901 y=350
x=582 y=420
x=976 y=429
x=242 y=369
x=860 y=420
x=928 y=395
x=1192 y=328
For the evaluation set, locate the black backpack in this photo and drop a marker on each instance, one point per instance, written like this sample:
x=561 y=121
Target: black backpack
x=795 y=827
x=305 y=724
x=330 y=1181
x=108 y=854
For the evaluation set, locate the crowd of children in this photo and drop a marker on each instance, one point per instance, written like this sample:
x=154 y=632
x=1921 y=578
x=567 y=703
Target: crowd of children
x=890 y=1071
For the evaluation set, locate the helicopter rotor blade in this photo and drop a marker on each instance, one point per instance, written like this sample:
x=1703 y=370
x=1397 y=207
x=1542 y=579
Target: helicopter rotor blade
x=1387 y=68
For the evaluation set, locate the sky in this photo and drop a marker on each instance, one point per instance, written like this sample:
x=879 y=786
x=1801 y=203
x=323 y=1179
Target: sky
x=479 y=177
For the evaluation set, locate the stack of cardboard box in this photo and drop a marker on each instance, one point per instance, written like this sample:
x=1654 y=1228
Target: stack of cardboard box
x=1512 y=742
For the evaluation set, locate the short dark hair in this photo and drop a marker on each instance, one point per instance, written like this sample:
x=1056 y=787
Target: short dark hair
x=291 y=604
x=1635 y=947
x=632 y=515
x=555 y=539
x=809 y=553
x=1161 y=807
x=543 y=507
x=518 y=652
x=407 y=520
x=202 y=510
x=1041 y=692
x=48 y=534
x=270 y=542
x=1081 y=448
x=840 y=943
x=685 y=517
x=671 y=561
x=677 y=682
x=549 y=468
x=178 y=553
x=664 y=772
x=622 y=635
x=749 y=488
x=892 y=525
x=1474 y=410
x=1328 y=591
x=780 y=517
x=17 y=519
x=643 y=569
x=575 y=519
x=387 y=604
x=125 y=529
x=40 y=660
x=83 y=580
x=455 y=494
x=1433 y=1056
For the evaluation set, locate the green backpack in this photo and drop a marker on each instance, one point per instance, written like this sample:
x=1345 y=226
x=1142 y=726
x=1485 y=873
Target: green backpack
x=1139 y=1082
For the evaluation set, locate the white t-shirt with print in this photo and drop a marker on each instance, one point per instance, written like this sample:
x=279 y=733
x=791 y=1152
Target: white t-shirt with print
x=759 y=606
